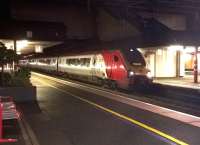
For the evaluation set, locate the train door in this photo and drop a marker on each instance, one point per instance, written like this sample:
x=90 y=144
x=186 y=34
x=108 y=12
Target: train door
x=93 y=69
x=57 y=62
x=60 y=65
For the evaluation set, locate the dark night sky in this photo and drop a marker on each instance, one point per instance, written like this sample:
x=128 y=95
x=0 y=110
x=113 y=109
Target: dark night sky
x=6 y=6
x=4 y=10
x=185 y=6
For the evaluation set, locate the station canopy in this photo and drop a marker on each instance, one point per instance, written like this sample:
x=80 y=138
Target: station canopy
x=31 y=36
x=129 y=10
x=24 y=46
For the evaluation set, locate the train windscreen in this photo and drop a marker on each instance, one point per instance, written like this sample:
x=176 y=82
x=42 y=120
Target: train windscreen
x=135 y=58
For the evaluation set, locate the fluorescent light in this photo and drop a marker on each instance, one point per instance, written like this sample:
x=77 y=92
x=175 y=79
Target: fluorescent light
x=175 y=47
x=189 y=49
x=22 y=44
x=38 y=49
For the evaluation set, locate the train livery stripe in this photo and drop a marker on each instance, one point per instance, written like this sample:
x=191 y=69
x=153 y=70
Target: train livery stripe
x=124 y=117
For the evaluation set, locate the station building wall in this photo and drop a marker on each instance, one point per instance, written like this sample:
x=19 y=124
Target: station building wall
x=190 y=59
x=164 y=61
x=171 y=61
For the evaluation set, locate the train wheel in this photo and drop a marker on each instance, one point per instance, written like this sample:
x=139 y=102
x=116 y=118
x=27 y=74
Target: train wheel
x=113 y=85
x=64 y=75
x=100 y=82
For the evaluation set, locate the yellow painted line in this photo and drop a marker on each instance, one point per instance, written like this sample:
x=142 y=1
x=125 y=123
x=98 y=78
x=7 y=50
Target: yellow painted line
x=160 y=133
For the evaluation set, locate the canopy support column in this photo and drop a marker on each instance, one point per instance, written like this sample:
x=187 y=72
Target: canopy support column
x=196 y=65
x=15 y=50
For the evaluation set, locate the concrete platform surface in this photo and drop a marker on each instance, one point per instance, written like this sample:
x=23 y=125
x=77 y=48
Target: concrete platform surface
x=186 y=82
x=68 y=115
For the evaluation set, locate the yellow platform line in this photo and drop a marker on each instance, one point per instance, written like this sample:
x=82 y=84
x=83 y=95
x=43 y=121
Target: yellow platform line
x=160 y=133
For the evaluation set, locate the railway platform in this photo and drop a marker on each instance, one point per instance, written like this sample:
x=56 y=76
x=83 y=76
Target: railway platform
x=67 y=113
x=185 y=82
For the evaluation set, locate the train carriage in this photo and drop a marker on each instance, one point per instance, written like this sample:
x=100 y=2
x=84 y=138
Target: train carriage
x=115 y=68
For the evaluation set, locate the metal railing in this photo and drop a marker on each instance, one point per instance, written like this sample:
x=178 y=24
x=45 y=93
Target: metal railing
x=7 y=111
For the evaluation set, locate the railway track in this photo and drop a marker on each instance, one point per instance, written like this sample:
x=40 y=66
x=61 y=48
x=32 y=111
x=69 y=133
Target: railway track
x=176 y=98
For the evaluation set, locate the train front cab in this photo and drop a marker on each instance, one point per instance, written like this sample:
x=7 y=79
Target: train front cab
x=138 y=73
x=127 y=68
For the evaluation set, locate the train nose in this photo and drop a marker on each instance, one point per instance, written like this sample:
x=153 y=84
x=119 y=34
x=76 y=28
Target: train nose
x=139 y=80
x=139 y=77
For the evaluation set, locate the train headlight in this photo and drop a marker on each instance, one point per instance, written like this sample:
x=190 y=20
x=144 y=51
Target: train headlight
x=149 y=75
x=131 y=73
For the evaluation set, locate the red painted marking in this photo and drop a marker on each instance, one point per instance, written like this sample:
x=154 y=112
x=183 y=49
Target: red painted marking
x=115 y=70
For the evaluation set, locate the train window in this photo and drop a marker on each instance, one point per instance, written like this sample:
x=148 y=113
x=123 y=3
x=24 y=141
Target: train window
x=71 y=61
x=87 y=62
x=48 y=61
x=134 y=57
x=116 y=58
x=82 y=61
x=75 y=62
x=53 y=61
x=67 y=61
x=78 y=61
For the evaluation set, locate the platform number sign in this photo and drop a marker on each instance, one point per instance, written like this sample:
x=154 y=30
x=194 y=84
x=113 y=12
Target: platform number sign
x=29 y=34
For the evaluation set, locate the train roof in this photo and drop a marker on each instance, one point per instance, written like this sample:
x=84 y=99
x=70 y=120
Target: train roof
x=74 y=46
x=83 y=47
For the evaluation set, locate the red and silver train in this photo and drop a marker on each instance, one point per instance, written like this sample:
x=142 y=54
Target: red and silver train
x=115 y=68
